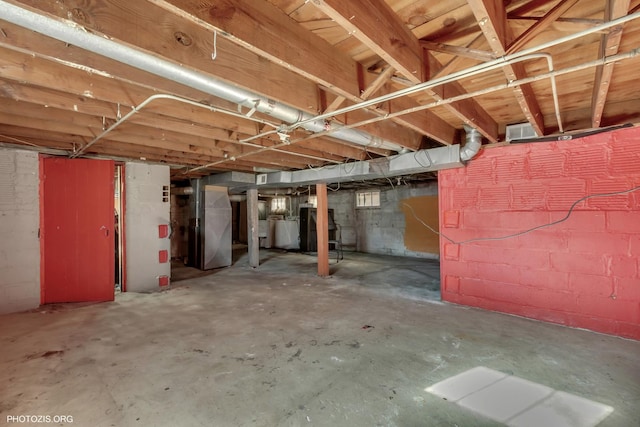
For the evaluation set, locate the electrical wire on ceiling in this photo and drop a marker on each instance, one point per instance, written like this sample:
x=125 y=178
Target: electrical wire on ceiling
x=334 y=189
x=529 y=230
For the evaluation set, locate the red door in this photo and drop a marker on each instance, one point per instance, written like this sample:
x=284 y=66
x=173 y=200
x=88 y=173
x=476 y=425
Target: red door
x=77 y=222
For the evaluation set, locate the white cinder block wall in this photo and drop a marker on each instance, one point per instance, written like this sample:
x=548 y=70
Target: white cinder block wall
x=19 y=224
x=144 y=212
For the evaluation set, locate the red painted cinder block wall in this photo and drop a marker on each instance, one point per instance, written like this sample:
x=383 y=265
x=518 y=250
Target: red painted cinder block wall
x=583 y=272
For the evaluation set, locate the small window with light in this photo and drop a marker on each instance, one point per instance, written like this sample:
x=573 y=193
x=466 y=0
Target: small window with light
x=368 y=199
x=279 y=205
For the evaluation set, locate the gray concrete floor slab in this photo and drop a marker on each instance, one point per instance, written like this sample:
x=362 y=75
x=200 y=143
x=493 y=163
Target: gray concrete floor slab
x=279 y=346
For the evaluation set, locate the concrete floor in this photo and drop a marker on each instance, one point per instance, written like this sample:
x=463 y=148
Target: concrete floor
x=279 y=346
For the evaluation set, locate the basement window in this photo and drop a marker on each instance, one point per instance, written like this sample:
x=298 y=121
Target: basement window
x=279 y=205
x=368 y=199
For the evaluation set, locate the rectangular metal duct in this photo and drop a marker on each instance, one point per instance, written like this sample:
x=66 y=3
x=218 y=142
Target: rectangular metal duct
x=216 y=228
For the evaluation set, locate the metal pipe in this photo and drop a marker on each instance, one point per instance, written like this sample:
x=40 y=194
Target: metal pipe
x=554 y=92
x=468 y=72
x=196 y=104
x=70 y=32
x=439 y=102
x=182 y=191
x=590 y=64
x=450 y=78
x=472 y=144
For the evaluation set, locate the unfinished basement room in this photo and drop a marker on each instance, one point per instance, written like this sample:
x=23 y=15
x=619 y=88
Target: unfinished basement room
x=397 y=213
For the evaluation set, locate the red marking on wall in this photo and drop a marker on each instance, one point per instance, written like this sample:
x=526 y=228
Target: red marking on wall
x=583 y=272
x=163 y=256
x=163 y=231
x=163 y=281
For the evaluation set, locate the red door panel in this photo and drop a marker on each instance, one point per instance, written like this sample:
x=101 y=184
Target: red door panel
x=77 y=222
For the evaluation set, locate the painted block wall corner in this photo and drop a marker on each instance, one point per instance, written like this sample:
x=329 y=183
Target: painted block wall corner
x=581 y=272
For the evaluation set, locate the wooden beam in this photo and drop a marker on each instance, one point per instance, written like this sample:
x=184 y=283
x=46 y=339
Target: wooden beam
x=609 y=45
x=152 y=134
x=85 y=72
x=529 y=6
x=36 y=98
x=149 y=139
x=491 y=15
x=286 y=40
x=380 y=80
x=13 y=134
x=322 y=230
x=137 y=23
x=191 y=120
x=459 y=62
x=430 y=124
x=468 y=111
x=252 y=227
x=567 y=25
x=480 y=55
x=532 y=32
x=318 y=61
x=341 y=149
x=335 y=104
x=376 y=25
x=372 y=23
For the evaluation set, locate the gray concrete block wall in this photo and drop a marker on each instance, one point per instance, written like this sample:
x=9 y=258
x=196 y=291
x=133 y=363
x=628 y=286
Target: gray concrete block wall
x=19 y=224
x=343 y=205
x=378 y=230
x=144 y=212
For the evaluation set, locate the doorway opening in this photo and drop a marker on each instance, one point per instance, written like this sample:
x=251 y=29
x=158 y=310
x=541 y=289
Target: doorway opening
x=118 y=228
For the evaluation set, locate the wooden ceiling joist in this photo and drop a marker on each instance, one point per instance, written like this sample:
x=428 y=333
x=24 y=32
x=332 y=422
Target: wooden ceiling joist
x=609 y=45
x=185 y=43
x=282 y=40
x=467 y=52
x=363 y=21
x=491 y=15
x=565 y=25
x=544 y=23
x=377 y=26
x=321 y=56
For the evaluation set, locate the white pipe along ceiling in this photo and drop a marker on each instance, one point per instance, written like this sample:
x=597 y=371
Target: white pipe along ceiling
x=71 y=33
